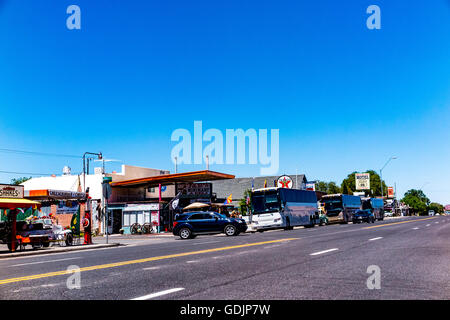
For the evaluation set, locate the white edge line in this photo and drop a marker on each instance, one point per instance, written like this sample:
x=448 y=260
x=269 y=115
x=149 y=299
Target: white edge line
x=158 y=294
x=324 y=251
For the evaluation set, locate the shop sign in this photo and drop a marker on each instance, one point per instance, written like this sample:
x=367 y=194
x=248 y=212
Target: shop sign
x=155 y=218
x=310 y=186
x=362 y=181
x=58 y=194
x=390 y=192
x=10 y=191
x=285 y=182
x=67 y=207
x=194 y=190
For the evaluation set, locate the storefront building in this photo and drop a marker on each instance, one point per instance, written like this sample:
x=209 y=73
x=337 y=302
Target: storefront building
x=141 y=201
x=61 y=195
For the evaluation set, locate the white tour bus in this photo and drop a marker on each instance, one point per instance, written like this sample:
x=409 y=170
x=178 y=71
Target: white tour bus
x=274 y=208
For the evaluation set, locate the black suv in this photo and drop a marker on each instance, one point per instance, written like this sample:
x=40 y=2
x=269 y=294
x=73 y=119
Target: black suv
x=189 y=225
x=363 y=215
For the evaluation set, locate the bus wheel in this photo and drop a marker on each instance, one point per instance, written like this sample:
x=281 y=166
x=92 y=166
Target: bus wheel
x=288 y=225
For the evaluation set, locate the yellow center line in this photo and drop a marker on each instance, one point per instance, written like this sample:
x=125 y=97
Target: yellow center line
x=123 y=263
x=390 y=224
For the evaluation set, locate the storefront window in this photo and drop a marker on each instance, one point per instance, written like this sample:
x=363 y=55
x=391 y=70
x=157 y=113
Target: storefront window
x=130 y=217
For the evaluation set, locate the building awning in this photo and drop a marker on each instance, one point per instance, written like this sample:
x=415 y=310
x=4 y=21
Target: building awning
x=167 y=179
x=6 y=203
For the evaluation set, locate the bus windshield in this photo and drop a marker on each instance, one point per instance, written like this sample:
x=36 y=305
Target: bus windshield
x=265 y=202
x=332 y=203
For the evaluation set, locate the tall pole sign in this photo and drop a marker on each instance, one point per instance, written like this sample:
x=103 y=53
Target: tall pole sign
x=362 y=181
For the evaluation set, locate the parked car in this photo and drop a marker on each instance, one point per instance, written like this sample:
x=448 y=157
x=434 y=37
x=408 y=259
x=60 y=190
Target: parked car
x=189 y=225
x=363 y=216
x=388 y=214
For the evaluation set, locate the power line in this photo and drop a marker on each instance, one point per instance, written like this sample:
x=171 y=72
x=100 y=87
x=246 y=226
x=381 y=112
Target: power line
x=22 y=152
x=28 y=173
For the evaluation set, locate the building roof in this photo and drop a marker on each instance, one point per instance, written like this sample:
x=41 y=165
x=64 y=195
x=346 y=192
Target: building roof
x=71 y=183
x=166 y=179
x=237 y=187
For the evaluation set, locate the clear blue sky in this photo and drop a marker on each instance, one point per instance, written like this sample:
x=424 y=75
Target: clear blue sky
x=344 y=98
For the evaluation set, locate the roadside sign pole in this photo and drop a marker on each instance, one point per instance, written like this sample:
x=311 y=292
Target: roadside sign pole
x=106 y=194
x=107 y=219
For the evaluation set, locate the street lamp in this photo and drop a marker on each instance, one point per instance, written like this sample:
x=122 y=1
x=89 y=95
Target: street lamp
x=381 y=175
x=100 y=157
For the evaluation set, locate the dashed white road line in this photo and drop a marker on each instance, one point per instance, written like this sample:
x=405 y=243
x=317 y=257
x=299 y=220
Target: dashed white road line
x=158 y=294
x=415 y=228
x=428 y=225
x=377 y=238
x=151 y=268
x=324 y=251
x=47 y=261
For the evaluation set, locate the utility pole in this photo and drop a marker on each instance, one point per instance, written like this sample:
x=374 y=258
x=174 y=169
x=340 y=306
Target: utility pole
x=176 y=164
x=381 y=176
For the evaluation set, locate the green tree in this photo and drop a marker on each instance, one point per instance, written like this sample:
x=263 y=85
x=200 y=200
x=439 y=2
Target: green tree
x=417 y=201
x=333 y=188
x=436 y=207
x=322 y=186
x=18 y=181
x=348 y=185
x=328 y=187
x=243 y=207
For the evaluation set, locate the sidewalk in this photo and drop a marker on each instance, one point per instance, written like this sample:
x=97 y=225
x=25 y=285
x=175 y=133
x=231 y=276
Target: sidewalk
x=5 y=253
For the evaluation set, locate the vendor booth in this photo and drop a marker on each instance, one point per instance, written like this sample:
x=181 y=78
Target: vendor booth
x=12 y=203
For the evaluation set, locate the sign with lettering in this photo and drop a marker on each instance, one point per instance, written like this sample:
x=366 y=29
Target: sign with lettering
x=59 y=194
x=362 y=181
x=390 y=192
x=194 y=190
x=10 y=191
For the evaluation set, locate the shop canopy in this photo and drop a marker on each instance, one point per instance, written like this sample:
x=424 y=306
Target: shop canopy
x=167 y=179
x=7 y=203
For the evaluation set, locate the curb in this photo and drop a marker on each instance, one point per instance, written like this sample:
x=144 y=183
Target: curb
x=58 y=250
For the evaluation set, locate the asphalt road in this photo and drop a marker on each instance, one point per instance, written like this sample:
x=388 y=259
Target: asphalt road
x=331 y=262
